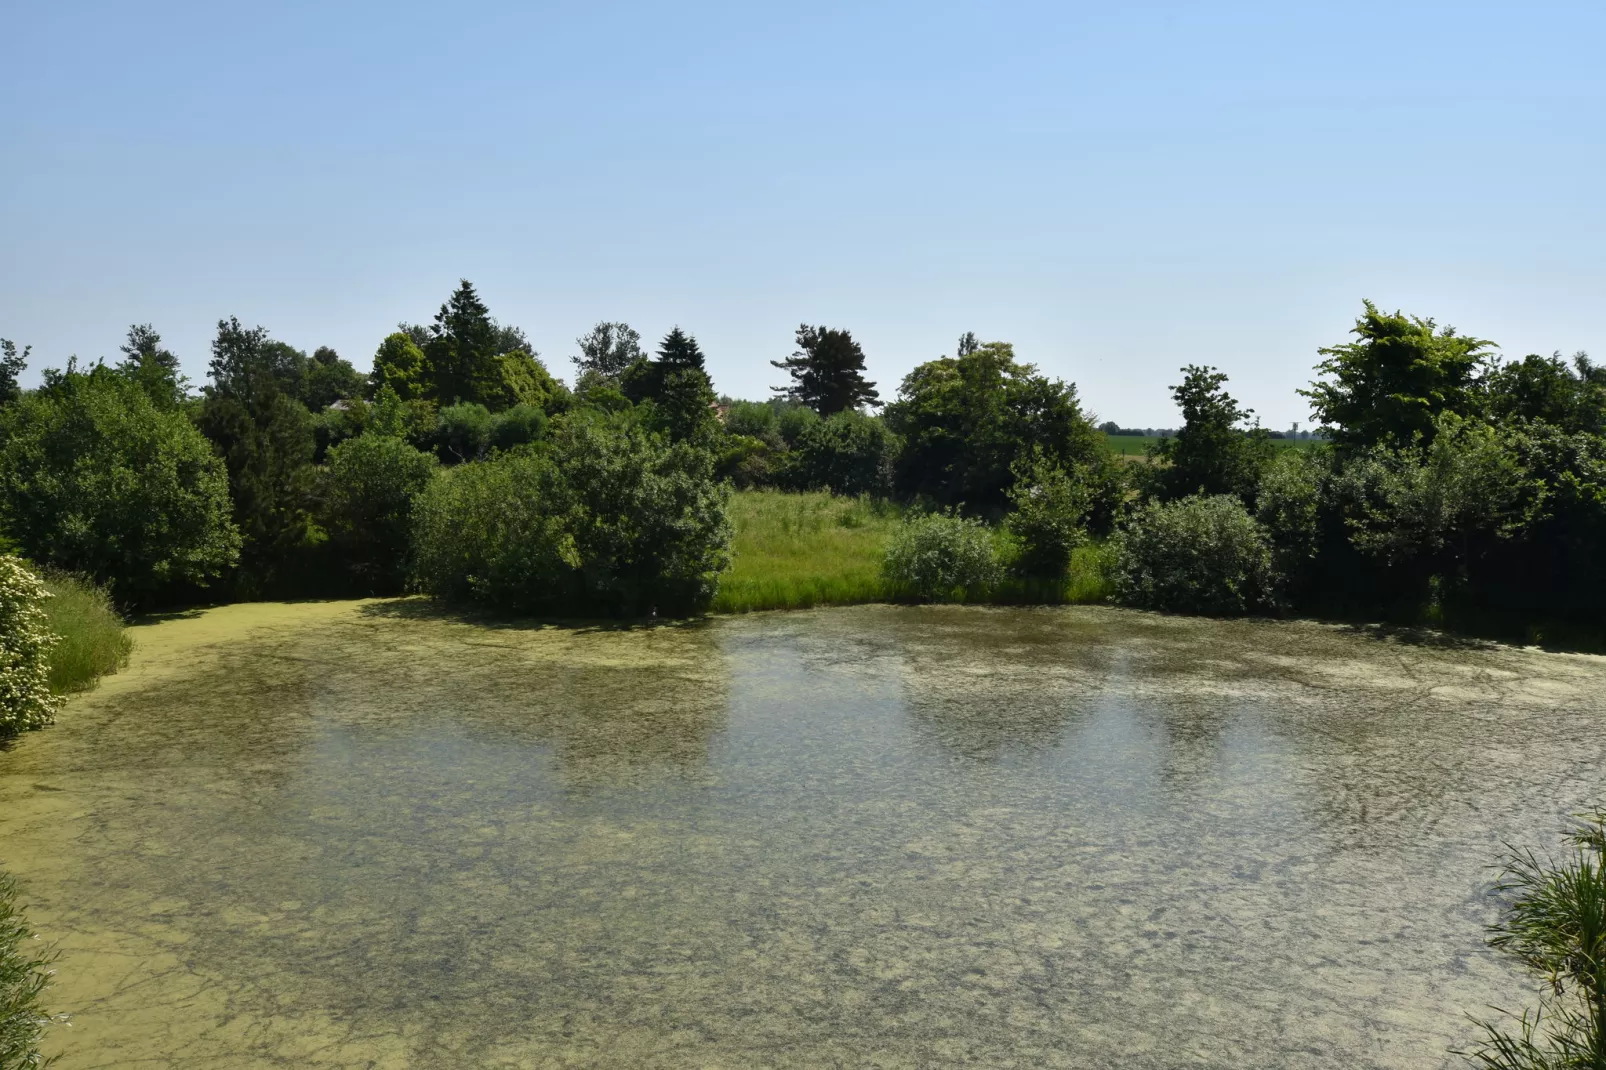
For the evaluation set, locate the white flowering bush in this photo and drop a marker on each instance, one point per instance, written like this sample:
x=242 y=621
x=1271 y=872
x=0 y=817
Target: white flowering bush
x=940 y=556
x=25 y=644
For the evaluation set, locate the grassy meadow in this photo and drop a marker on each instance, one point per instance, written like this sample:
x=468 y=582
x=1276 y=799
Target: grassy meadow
x=796 y=550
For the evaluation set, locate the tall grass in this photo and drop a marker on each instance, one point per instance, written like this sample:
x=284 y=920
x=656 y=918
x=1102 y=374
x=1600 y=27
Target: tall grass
x=793 y=551
x=94 y=641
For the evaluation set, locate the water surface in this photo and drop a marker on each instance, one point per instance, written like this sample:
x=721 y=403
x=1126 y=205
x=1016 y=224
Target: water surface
x=357 y=835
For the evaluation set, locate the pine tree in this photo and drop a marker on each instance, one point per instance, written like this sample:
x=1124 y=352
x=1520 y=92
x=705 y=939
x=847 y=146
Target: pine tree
x=462 y=345
x=827 y=372
x=679 y=351
x=152 y=366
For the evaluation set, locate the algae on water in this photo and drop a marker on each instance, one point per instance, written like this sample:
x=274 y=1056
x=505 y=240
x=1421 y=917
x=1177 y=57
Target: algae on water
x=364 y=834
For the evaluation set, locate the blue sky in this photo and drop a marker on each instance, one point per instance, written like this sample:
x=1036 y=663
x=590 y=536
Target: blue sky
x=1118 y=189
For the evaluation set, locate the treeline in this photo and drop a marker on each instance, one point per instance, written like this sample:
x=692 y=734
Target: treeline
x=1456 y=488
x=1449 y=485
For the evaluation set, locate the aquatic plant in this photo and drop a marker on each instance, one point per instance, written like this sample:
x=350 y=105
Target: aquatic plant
x=1555 y=926
x=26 y=641
x=24 y=976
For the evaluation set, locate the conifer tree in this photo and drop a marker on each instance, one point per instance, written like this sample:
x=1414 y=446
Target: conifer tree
x=827 y=372
x=462 y=345
x=679 y=351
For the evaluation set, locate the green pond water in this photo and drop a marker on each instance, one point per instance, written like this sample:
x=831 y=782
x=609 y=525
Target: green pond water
x=359 y=835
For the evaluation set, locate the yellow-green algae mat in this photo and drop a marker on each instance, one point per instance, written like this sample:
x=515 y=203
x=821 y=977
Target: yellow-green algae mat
x=368 y=835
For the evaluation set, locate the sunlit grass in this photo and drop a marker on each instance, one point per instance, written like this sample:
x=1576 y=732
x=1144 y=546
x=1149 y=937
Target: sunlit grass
x=93 y=639
x=793 y=551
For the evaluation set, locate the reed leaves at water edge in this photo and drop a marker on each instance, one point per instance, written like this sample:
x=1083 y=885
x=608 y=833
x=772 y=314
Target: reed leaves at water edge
x=1555 y=926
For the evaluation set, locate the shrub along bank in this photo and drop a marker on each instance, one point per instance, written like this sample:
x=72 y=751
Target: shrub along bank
x=1448 y=488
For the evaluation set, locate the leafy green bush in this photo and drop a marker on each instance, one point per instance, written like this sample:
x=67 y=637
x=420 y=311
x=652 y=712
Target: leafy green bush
x=1049 y=518
x=849 y=453
x=93 y=639
x=522 y=424
x=95 y=479
x=941 y=557
x=462 y=432
x=369 y=487
x=1195 y=555
x=609 y=520
x=24 y=976
x=26 y=641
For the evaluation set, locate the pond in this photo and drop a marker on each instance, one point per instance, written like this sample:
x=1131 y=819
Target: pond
x=363 y=835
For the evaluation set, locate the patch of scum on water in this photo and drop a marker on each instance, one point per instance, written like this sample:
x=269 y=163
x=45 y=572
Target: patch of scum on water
x=361 y=835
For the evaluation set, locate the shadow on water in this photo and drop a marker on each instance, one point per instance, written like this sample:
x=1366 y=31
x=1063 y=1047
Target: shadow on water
x=421 y=608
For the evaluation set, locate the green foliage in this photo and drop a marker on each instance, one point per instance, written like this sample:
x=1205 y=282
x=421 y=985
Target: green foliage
x=607 y=350
x=153 y=367
x=369 y=486
x=848 y=452
x=1195 y=555
x=1391 y=384
x=517 y=378
x=1210 y=454
x=1438 y=500
x=942 y=557
x=1294 y=489
x=827 y=372
x=1555 y=927
x=1048 y=520
x=684 y=407
x=745 y=461
x=26 y=641
x=24 y=977
x=967 y=421
x=12 y=364
x=522 y=424
x=94 y=478
x=325 y=379
x=679 y=352
x=792 y=421
x=753 y=419
x=414 y=420
x=462 y=346
x=792 y=551
x=463 y=432
x=400 y=365
x=93 y=639
x=267 y=441
x=1547 y=390
x=608 y=520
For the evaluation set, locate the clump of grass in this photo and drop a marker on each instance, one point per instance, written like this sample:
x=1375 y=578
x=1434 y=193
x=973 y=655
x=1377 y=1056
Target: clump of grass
x=792 y=551
x=94 y=641
x=1555 y=926
x=24 y=976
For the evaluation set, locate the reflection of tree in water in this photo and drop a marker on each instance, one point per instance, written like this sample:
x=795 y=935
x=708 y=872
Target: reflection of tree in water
x=613 y=705
x=987 y=703
x=1189 y=730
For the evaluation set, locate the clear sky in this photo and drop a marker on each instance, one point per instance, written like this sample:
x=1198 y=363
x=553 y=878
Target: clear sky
x=1116 y=188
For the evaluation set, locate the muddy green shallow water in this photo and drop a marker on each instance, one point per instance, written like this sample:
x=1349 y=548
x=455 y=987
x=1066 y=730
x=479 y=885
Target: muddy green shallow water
x=355 y=835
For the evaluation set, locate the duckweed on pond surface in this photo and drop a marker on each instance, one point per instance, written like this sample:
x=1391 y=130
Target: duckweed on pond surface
x=358 y=835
